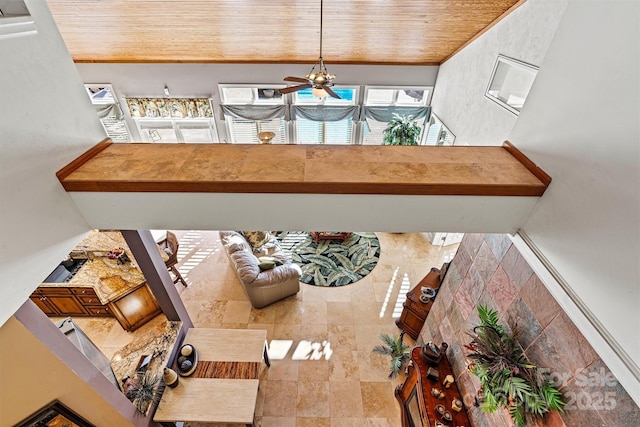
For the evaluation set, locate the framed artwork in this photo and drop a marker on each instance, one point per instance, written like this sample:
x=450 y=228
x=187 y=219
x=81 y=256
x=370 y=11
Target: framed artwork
x=510 y=83
x=55 y=414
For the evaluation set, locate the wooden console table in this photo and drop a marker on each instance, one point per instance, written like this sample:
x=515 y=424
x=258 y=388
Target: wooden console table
x=224 y=386
x=418 y=405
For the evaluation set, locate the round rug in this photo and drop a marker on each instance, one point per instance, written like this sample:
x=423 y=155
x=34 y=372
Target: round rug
x=332 y=262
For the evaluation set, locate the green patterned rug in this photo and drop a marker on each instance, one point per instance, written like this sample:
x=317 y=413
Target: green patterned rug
x=331 y=262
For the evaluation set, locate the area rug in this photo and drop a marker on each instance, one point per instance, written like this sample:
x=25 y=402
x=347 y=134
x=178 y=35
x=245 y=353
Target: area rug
x=332 y=262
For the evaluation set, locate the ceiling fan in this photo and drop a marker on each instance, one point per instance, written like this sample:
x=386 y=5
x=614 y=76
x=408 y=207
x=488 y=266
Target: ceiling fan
x=318 y=79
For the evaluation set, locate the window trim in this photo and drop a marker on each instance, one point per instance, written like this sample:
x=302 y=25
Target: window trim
x=513 y=64
x=174 y=123
x=426 y=101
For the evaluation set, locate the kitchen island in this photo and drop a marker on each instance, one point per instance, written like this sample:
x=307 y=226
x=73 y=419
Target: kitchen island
x=101 y=286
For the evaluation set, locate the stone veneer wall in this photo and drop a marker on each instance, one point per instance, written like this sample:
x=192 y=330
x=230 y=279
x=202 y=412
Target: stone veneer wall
x=489 y=270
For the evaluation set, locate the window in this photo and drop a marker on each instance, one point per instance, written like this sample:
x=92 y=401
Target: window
x=381 y=102
x=314 y=132
x=186 y=130
x=398 y=96
x=243 y=131
x=438 y=133
x=510 y=83
x=326 y=120
x=108 y=109
x=243 y=95
x=251 y=109
x=347 y=97
x=173 y=119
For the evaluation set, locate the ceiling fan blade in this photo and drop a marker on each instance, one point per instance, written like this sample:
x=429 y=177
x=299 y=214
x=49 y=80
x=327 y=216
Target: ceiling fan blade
x=294 y=88
x=330 y=92
x=296 y=79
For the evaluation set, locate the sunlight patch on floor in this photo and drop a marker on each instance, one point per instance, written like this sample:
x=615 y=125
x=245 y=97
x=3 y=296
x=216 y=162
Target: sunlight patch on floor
x=405 y=287
x=191 y=253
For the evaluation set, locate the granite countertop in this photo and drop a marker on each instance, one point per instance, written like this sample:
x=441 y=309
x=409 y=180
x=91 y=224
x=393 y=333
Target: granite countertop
x=157 y=342
x=109 y=278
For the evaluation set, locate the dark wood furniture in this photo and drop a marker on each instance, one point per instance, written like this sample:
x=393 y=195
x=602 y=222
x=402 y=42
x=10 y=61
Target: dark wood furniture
x=418 y=405
x=414 y=311
x=76 y=302
x=170 y=245
x=329 y=235
x=132 y=310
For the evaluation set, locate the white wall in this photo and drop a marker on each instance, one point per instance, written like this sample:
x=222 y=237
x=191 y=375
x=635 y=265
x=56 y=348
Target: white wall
x=133 y=80
x=46 y=120
x=581 y=125
x=458 y=99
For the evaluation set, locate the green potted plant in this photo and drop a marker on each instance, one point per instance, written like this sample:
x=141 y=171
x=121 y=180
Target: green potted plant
x=401 y=130
x=397 y=350
x=509 y=380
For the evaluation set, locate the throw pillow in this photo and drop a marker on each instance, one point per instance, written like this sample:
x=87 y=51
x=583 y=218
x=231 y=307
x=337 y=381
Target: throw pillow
x=257 y=238
x=266 y=265
x=268 y=259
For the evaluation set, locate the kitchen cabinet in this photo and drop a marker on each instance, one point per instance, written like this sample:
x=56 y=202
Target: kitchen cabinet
x=65 y=302
x=100 y=286
x=58 y=302
x=135 y=308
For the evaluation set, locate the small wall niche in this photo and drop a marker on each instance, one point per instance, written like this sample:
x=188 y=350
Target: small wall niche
x=15 y=19
x=510 y=83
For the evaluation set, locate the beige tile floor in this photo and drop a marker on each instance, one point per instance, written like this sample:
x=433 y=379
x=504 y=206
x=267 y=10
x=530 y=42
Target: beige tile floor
x=348 y=389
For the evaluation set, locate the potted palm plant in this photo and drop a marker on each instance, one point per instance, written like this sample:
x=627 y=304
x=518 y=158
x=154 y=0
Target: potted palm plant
x=401 y=130
x=397 y=350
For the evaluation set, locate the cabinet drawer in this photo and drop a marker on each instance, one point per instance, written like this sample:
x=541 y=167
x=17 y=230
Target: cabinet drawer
x=89 y=300
x=53 y=291
x=87 y=292
x=99 y=310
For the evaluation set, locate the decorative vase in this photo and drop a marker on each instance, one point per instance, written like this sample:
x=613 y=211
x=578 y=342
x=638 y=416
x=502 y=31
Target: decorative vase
x=170 y=377
x=431 y=354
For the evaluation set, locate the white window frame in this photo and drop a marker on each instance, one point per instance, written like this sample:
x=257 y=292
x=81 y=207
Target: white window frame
x=255 y=97
x=328 y=100
x=426 y=100
x=444 y=134
x=175 y=124
x=255 y=100
x=504 y=68
x=107 y=101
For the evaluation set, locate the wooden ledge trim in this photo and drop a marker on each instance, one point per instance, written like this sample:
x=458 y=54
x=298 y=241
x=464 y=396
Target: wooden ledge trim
x=528 y=163
x=83 y=158
x=307 y=188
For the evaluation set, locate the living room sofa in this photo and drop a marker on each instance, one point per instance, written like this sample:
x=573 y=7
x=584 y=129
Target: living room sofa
x=269 y=284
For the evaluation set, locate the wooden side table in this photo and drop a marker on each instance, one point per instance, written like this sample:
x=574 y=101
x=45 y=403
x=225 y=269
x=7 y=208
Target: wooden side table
x=414 y=311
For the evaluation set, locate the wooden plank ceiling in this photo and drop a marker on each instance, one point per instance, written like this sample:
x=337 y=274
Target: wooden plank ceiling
x=409 y=32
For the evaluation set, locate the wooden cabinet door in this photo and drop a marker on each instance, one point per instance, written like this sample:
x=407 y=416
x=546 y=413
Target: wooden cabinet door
x=43 y=305
x=136 y=308
x=66 y=305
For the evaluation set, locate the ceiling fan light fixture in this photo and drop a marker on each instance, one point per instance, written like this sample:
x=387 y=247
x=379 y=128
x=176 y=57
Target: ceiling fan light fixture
x=318 y=79
x=319 y=92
